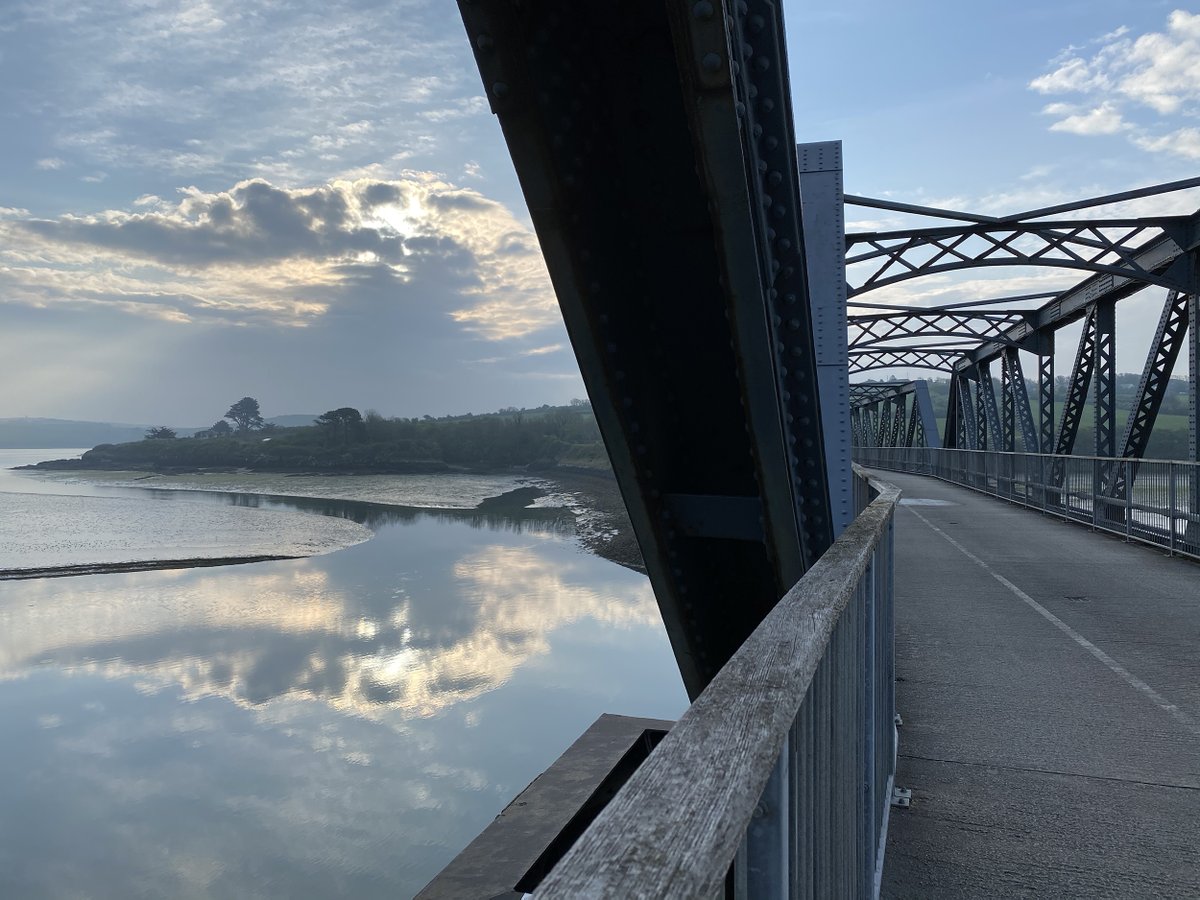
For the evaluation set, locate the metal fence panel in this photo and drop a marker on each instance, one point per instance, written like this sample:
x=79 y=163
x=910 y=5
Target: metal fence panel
x=1146 y=500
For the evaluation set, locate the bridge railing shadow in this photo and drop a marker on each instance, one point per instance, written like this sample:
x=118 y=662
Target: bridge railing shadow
x=1155 y=502
x=785 y=762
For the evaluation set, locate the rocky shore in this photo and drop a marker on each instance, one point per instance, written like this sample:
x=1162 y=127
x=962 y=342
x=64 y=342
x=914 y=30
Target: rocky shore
x=609 y=533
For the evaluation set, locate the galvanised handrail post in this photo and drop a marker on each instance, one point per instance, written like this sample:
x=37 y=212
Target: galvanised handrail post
x=1171 y=505
x=1128 y=480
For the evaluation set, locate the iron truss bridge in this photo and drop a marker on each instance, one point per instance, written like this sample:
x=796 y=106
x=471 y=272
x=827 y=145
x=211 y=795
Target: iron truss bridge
x=964 y=338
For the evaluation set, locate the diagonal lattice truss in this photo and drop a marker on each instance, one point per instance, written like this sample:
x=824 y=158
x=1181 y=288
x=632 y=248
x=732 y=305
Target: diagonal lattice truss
x=1119 y=252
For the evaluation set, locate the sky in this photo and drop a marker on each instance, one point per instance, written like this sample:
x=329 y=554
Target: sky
x=310 y=203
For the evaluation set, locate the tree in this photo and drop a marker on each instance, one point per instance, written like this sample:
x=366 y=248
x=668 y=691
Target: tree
x=160 y=433
x=220 y=429
x=346 y=421
x=245 y=414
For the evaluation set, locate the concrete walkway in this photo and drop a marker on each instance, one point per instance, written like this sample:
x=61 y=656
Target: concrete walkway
x=1049 y=681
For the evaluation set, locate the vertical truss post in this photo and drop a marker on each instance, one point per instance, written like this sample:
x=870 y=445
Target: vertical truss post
x=822 y=212
x=952 y=436
x=901 y=406
x=981 y=431
x=1104 y=406
x=910 y=433
x=856 y=427
x=1077 y=391
x=1046 y=392
x=1105 y=379
x=989 y=399
x=966 y=411
x=1008 y=406
x=1193 y=530
x=884 y=423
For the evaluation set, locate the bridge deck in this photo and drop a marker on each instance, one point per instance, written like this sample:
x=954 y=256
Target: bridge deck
x=1050 y=689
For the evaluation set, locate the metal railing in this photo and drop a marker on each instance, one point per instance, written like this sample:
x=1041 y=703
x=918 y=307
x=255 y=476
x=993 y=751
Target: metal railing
x=785 y=761
x=1151 y=501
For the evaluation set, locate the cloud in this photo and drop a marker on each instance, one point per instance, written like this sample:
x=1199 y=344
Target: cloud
x=1104 y=119
x=262 y=253
x=226 y=89
x=50 y=164
x=1185 y=142
x=1154 y=75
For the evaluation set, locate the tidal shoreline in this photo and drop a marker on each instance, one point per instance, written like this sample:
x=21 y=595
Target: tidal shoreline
x=612 y=535
x=602 y=524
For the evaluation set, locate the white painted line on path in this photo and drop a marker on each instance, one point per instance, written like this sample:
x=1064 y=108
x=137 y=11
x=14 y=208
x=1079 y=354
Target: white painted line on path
x=1158 y=699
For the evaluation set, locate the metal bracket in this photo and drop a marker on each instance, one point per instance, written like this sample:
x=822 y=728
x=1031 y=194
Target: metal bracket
x=901 y=797
x=897 y=720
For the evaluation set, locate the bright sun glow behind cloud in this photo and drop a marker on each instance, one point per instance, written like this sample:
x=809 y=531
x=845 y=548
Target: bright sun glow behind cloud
x=258 y=253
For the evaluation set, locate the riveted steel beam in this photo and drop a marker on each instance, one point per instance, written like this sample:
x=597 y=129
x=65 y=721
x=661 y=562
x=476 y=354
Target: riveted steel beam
x=1077 y=392
x=1152 y=389
x=1104 y=379
x=1046 y=392
x=655 y=151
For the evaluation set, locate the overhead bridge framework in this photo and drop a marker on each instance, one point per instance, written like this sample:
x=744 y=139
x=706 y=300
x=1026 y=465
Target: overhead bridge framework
x=977 y=342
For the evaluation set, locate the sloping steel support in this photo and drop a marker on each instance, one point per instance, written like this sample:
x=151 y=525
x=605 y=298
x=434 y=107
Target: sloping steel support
x=1152 y=389
x=981 y=419
x=927 y=421
x=967 y=432
x=989 y=404
x=1046 y=392
x=901 y=405
x=1020 y=396
x=658 y=163
x=1077 y=392
x=910 y=433
x=953 y=423
x=823 y=214
x=1008 y=407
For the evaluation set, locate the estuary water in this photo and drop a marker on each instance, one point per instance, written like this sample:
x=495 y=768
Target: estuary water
x=339 y=725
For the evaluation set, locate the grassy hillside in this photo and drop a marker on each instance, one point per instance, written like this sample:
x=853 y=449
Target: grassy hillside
x=512 y=438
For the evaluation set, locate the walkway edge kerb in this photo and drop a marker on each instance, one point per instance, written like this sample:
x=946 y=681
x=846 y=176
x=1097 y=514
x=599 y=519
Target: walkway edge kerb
x=673 y=829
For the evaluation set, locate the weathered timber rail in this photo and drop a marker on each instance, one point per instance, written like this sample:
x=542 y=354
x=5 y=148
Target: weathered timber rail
x=785 y=761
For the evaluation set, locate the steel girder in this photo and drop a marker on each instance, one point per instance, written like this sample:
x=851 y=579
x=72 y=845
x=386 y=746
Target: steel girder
x=1152 y=387
x=1193 y=529
x=878 y=329
x=914 y=423
x=1088 y=245
x=981 y=419
x=972 y=331
x=1019 y=397
x=1077 y=391
x=1104 y=378
x=655 y=150
x=988 y=408
x=917 y=357
x=967 y=437
x=823 y=219
x=1046 y=393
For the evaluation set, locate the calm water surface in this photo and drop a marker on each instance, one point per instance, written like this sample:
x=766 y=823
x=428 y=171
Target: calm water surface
x=336 y=726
